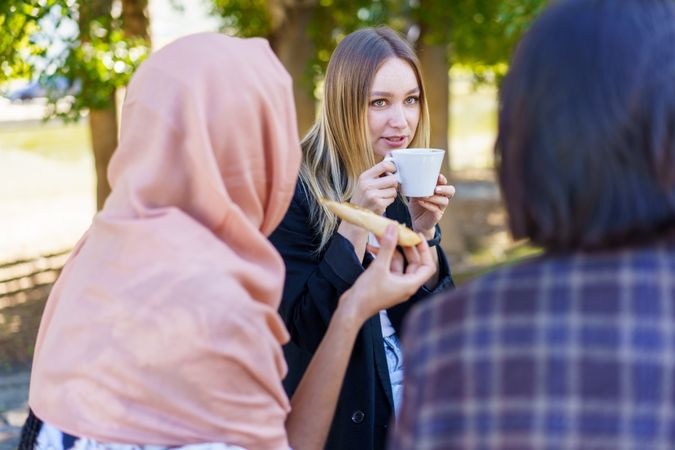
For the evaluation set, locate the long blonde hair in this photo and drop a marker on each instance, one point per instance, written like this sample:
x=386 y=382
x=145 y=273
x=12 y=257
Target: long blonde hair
x=337 y=149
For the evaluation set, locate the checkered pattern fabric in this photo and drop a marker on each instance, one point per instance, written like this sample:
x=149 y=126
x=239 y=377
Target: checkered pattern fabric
x=564 y=352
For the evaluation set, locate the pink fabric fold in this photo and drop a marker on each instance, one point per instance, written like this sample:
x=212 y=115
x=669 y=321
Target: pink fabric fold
x=162 y=328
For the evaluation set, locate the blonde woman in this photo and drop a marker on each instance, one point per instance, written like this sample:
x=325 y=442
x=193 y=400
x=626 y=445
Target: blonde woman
x=374 y=102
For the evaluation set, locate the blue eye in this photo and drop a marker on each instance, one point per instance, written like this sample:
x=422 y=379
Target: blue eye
x=412 y=100
x=378 y=103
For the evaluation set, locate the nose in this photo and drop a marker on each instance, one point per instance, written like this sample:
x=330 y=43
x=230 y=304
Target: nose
x=397 y=117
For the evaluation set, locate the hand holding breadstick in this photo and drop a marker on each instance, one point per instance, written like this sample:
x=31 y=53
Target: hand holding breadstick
x=372 y=222
x=388 y=281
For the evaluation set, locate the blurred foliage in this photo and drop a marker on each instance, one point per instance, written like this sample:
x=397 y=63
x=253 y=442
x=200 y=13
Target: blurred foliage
x=516 y=16
x=480 y=34
x=41 y=41
x=245 y=17
x=106 y=63
x=18 y=21
x=41 y=38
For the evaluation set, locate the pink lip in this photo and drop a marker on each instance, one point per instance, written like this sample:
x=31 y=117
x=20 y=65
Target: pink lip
x=394 y=141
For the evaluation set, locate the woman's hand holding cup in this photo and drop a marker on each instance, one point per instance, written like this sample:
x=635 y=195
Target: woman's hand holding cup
x=418 y=171
x=376 y=187
x=426 y=212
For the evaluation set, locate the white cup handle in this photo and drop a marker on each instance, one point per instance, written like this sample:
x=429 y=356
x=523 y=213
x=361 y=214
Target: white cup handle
x=397 y=174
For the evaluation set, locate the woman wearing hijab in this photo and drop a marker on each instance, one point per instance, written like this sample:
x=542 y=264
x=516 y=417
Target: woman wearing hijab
x=162 y=329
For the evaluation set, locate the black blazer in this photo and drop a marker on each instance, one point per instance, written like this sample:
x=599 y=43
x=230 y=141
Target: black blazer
x=314 y=283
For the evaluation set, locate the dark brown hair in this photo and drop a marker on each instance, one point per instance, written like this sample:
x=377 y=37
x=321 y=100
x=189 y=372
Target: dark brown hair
x=586 y=146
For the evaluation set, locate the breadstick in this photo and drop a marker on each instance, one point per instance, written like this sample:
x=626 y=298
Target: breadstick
x=372 y=222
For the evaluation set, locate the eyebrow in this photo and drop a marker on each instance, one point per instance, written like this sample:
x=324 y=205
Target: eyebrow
x=388 y=94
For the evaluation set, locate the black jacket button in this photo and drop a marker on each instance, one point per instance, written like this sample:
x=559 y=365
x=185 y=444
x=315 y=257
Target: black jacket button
x=358 y=416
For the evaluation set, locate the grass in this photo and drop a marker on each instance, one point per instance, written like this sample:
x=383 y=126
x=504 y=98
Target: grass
x=472 y=129
x=473 y=110
x=47 y=171
x=47 y=187
x=51 y=140
x=473 y=124
x=516 y=253
x=44 y=161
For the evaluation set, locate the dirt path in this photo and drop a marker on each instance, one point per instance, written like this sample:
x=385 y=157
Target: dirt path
x=13 y=407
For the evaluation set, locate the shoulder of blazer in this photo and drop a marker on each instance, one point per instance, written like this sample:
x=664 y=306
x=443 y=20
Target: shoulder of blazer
x=302 y=197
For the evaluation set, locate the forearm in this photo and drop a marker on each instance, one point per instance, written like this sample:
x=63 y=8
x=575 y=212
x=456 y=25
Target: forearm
x=433 y=281
x=314 y=401
x=357 y=236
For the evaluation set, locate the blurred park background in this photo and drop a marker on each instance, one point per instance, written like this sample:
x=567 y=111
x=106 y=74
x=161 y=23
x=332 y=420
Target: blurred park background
x=63 y=68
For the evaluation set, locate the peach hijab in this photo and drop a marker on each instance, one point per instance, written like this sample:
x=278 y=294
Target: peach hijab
x=162 y=328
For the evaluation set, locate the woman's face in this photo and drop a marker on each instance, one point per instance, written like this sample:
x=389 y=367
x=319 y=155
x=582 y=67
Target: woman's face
x=393 y=107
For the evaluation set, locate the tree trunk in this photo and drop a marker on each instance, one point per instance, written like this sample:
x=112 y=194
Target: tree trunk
x=102 y=122
x=294 y=48
x=103 y=126
x=434 y=61
x=135 y=19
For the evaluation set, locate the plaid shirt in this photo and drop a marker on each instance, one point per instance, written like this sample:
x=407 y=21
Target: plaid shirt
x=564 y=352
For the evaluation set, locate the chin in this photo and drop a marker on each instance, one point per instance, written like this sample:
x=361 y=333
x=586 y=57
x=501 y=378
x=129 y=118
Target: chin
x=381 y=153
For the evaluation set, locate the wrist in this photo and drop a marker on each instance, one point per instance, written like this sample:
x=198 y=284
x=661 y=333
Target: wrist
x=349 y=312
x=428 y=234
x=352 y=232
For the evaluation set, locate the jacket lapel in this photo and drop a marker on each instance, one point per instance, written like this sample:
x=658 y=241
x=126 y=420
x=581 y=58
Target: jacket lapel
x=380 y=358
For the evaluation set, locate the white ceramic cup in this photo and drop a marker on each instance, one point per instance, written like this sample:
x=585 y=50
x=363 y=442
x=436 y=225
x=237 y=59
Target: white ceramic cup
x=417 y=170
